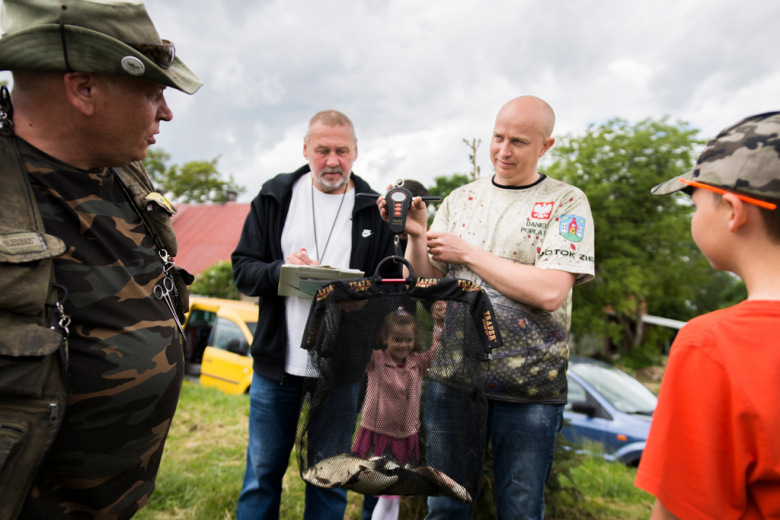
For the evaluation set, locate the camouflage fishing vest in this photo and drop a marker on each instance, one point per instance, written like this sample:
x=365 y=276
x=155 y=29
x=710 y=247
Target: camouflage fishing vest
x=33 y=328
x=33 y=349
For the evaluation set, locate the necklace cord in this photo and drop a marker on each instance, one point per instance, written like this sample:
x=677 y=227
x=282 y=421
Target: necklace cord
x=314 y=220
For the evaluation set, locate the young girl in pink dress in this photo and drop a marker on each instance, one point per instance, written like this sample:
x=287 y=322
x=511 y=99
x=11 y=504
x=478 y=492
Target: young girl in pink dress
x=391 y=410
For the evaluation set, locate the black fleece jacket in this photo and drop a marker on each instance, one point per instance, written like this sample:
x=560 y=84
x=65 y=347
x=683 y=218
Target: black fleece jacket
x=258 y=259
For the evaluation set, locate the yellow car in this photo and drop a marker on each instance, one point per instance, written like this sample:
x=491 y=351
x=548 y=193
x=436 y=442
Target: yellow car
x=219 y=333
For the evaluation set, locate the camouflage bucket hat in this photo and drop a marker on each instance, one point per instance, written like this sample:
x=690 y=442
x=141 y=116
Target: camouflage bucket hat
x=744 y=158
x=105 y=36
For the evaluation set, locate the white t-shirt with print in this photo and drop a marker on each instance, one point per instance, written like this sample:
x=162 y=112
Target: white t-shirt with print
x=299 y=233
x=549 y=225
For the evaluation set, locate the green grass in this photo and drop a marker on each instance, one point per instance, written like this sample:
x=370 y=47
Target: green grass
x=608 y=492
x=204 y=460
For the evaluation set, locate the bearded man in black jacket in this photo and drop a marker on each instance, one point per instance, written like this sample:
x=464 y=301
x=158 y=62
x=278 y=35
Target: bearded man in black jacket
x=327 y=225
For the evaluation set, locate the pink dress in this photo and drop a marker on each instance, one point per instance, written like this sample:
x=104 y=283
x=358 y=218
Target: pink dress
x=391 y=409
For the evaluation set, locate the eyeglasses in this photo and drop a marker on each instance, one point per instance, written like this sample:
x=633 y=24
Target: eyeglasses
x=161 y=55
x=749 y=200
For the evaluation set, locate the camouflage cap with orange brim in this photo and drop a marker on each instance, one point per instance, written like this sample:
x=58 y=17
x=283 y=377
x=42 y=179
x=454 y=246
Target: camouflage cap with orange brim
x=104 y=36
x=743 y=158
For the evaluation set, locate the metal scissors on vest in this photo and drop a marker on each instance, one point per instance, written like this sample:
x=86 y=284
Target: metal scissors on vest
x=164 y=292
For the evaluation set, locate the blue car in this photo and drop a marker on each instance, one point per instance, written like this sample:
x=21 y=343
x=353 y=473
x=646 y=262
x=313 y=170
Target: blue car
x=608 y=406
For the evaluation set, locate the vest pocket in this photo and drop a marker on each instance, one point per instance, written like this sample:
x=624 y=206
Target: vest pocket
x=24 y=287
x=27 y=377
x=25 y=277
x=27 y=430
x=13 y=434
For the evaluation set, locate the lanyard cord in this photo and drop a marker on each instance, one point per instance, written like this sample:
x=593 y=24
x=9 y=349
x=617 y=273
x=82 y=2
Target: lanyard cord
x=314 y=220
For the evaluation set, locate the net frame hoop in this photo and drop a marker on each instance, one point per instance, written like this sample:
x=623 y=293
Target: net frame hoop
x=410 y=280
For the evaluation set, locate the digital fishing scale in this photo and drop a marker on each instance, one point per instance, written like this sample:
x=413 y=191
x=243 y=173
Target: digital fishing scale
x=399 y=200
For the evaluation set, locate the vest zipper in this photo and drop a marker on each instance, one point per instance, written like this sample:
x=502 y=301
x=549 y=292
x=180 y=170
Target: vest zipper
x=54 y=412
x=53 y=409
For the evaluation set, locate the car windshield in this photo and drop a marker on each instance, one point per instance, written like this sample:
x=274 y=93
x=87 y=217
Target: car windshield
x=623 y=391
x=252 y=326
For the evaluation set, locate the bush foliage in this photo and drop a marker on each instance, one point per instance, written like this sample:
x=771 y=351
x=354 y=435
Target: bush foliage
x=216 y=282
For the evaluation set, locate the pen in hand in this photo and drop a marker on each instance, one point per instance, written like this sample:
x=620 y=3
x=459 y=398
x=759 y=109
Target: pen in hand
x=303 y=256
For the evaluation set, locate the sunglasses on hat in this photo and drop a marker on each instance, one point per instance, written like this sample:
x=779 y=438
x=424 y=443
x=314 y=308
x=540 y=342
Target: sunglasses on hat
x=749 y=200
x=161 y=55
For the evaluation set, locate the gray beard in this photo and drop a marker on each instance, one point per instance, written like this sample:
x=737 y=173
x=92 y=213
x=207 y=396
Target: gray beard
x=327 y=186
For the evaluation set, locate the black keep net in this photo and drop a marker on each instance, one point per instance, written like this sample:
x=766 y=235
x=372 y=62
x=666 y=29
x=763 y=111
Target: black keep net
x=393 y=400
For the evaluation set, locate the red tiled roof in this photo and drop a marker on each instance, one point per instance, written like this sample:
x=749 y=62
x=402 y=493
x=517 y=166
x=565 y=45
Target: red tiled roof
x=207 y=233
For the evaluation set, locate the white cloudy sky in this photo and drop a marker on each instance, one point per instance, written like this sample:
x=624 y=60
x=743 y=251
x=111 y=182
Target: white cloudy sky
x=418 y=76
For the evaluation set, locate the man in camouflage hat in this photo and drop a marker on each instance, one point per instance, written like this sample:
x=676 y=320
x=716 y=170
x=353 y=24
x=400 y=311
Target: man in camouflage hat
x=713 y=447
x=526 y=239
x=86 y=272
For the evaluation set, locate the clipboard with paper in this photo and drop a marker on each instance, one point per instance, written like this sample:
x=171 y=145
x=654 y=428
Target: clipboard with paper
x=303 y=281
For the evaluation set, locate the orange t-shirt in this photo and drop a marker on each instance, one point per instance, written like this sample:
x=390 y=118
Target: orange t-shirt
x=714 y=445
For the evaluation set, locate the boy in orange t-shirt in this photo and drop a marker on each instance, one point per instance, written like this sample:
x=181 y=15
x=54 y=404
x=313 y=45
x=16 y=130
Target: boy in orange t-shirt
x=714 y=446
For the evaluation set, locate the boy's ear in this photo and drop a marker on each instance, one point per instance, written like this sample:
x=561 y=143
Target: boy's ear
x=737 y=211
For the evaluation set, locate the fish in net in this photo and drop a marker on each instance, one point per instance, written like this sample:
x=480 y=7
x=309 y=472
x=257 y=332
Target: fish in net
x=393 y=397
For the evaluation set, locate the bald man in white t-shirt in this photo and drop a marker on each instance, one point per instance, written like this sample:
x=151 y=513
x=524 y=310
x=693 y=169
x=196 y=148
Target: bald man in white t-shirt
x=526 y=239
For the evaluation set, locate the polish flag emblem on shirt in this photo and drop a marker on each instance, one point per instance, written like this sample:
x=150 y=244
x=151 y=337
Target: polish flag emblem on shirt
x=542 y=210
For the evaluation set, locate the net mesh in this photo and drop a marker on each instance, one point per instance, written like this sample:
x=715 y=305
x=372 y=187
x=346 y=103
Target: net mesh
x=393 y=400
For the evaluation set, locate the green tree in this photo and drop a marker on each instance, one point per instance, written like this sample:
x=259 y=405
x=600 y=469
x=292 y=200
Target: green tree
x=191 y=182
x=721 y=290
x=444 y=184
x=216 y=281
x=645 y=256
x=155 y=162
